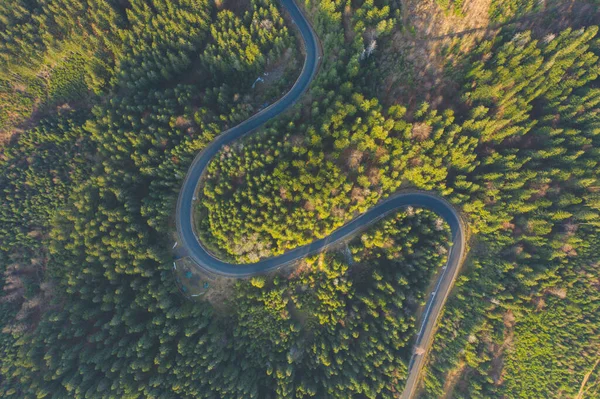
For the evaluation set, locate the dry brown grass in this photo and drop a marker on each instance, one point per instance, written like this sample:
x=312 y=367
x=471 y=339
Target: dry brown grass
x=422 y=48
x=452 y=378
x=417 y=58
x=4 y=137
x=309 y=206
x=353 y=158
x=430 y=20
x=559 y=292
x=457 y=378
x=357 y=195
x=539 y=303
x=497 y=364
x=421 y=131
x=219 y=288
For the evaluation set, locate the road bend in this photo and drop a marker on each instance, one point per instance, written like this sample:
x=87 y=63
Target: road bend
x=191 y=244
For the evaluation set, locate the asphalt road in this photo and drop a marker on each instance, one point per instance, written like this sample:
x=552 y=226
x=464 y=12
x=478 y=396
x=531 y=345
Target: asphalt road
x=191 y=244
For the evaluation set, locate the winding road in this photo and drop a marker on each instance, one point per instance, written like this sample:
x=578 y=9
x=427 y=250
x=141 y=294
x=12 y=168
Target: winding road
x=189 y=241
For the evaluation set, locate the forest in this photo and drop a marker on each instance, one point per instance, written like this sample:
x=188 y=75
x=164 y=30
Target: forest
x=104 y=104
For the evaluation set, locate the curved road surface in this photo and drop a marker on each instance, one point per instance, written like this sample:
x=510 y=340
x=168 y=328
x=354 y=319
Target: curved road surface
x=189 y=241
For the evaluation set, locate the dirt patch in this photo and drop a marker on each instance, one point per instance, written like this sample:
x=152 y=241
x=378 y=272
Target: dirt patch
x=277 y=78
x=430 y=20
x=421 y=131
x=418 y=61
x=347 y=20
x=559 y=292
x=452 y=379
x=197 y=284
x=497 y=364
x=296 y=269
x=5 y=137
x=276 y=70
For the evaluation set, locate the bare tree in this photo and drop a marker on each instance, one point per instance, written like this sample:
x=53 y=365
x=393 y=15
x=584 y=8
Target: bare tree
x=419 y=351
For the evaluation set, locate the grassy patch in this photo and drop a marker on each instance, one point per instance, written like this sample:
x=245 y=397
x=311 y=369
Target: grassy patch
x=67 y=81
x=190 y=280
x=545 y=358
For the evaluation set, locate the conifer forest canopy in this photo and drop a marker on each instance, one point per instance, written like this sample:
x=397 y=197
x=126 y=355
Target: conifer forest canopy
x=491 y=105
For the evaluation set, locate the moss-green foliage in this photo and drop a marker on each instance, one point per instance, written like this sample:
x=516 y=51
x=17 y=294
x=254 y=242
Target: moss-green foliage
x=37 y=175
x=557 y=344
x=156 y=49
x=90 y=308
x=505 y=10
x=454 y=6
x=80 y=193
x=309 y=173
x=334 y=331
x=54 y=52
x=534 y=105
x=15 y=105
x=237 y=48
x=500 y=10
x=520 y=156
x=521 y=345
x=282 y=190
x=67 y=81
